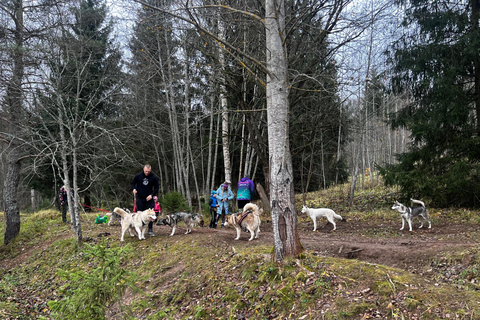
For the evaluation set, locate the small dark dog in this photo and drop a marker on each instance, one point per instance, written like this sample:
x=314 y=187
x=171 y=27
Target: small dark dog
x=408 y=213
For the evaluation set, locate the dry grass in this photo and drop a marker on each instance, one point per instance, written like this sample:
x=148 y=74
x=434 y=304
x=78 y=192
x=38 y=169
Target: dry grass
x=197 y=277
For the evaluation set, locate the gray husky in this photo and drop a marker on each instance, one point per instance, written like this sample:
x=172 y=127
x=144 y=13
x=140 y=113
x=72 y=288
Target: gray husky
x=190 y=219
x=408 y=213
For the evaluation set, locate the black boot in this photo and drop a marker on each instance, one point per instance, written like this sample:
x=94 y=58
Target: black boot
x=150 y=229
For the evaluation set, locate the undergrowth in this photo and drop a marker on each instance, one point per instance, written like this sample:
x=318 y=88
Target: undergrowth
x=198 y=277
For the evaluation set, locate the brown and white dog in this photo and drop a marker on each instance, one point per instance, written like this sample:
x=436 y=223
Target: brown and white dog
x=248 y=219
x=137 y=221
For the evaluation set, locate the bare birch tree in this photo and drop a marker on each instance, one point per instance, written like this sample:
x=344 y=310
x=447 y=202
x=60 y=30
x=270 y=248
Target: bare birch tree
x=282 y=199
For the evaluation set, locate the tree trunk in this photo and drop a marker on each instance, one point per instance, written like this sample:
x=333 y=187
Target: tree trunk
x=215 y=153
x=475 y=27
x=13 y=103
x=224 y=107
x=12 y=212
x=284 y=216
x=73 y=204
x=32 y=199
x=209 y=186
x=264 y=198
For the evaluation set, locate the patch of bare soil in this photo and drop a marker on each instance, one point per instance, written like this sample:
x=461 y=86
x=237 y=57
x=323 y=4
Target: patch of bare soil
x=381 y=244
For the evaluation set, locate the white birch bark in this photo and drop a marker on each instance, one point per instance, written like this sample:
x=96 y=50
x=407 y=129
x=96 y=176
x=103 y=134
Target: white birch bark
x=224 y=106
x=282 y=200
x=215 y=153
x=209 y=186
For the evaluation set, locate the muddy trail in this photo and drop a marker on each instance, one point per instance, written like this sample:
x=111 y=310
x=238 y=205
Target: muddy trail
x=379 y=244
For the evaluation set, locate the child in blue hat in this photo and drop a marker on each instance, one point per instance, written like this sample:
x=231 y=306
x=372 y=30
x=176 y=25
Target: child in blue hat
x=213 y=208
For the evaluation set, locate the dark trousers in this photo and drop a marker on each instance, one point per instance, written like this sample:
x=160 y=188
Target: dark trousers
x=223 y=217
x=142 y=205
x=64 y=212
x=242 y=203
x=213 y=214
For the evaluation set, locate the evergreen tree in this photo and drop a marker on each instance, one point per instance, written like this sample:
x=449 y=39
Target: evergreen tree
x=82 y=99
x=315 y=104
x=437 y=61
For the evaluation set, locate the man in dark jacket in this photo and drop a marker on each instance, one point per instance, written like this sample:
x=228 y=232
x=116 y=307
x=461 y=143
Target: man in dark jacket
x=145 y=186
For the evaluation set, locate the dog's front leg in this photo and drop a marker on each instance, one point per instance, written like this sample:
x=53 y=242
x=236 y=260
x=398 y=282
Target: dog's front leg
x=314 y=224
x=403 y=223
x=173 y=231
x=144 y=230
x=239 y=230
x=139 y=232
x=409 y=223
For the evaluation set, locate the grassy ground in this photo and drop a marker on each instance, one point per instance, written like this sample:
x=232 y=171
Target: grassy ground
x=205 y=276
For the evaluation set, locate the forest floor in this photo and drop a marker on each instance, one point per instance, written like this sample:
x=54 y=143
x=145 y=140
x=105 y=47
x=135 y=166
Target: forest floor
x=365 y=269
x=417 y=252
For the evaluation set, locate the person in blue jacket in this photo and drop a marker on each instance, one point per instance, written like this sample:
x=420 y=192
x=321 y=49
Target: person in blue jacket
x=245 y=191
x=224 y=196
x=145 y=186
x=213 y=208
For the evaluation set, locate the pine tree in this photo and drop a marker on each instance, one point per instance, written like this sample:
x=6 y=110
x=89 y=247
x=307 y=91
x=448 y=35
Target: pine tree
x=437 y=61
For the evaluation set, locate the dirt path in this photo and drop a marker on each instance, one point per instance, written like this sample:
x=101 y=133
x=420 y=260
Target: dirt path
x=379 y=244
x=384 y=244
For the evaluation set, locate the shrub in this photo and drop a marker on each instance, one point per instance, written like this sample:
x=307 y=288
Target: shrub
x=88 y=292
x=174 y=201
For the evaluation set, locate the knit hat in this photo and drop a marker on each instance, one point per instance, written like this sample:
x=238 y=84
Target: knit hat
x=213 y=192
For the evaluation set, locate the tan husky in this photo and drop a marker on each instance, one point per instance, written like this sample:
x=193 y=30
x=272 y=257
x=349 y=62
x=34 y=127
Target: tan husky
x=249 y=219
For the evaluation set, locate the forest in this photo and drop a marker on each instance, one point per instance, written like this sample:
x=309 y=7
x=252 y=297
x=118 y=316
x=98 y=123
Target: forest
x=299 y=95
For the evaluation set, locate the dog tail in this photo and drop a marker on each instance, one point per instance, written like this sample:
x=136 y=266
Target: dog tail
x=337 y=216
x=120 y=211
x=418 y=202
x=253 y=207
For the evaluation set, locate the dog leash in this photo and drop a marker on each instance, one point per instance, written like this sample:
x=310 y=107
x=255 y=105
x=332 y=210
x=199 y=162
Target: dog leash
x=84 y=205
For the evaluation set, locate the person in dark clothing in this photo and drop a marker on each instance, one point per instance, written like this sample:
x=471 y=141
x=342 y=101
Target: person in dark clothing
x=145 y=186
x=62 y=196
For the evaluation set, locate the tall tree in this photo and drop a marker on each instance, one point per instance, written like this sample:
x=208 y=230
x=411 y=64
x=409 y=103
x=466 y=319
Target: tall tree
x=13 y=107
x=21 y=27
x=437 y=62
x=282 y=198
x=73 y=110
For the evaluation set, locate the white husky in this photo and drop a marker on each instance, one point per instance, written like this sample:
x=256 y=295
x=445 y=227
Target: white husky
x=315 y=214
x=137 y=221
